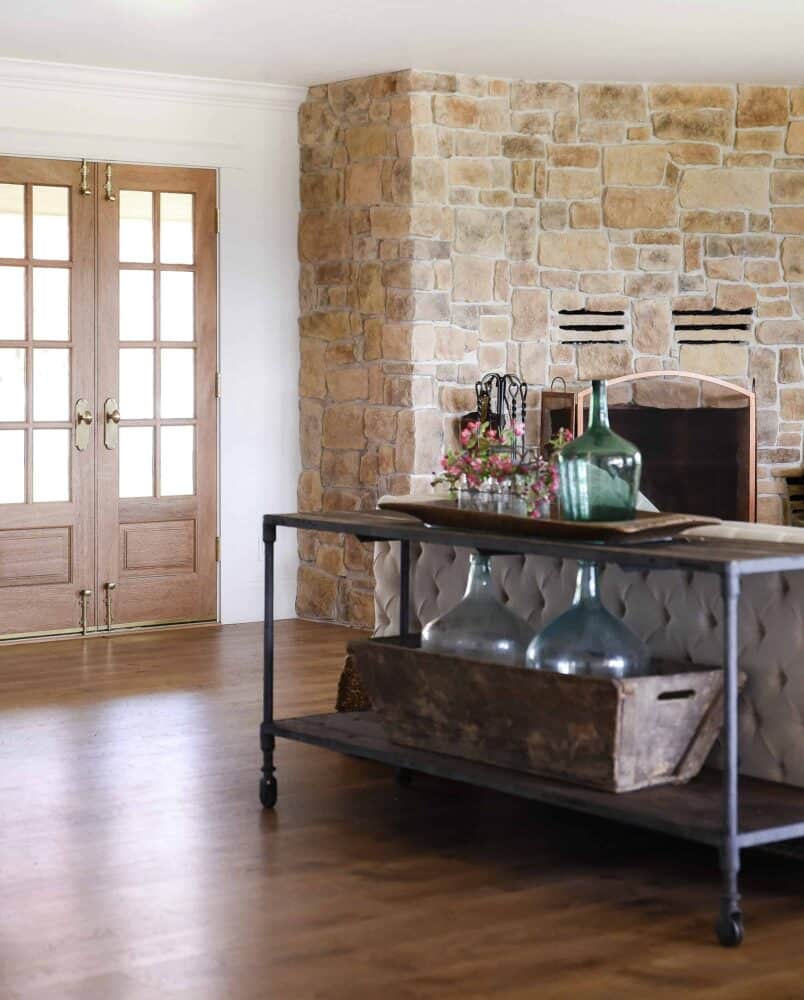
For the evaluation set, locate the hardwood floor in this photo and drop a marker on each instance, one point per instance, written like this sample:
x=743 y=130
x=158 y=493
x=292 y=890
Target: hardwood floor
x=136 y=863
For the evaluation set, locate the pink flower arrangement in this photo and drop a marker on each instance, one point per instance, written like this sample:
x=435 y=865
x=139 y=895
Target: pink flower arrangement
x=487 y=455
x=481 y=457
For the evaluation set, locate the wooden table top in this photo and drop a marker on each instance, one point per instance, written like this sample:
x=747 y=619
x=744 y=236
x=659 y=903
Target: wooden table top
x=713 y=555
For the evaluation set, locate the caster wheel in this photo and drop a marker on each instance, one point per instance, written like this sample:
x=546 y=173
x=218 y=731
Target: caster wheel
x=730 y=930
x=268 y=790
x=403 y=777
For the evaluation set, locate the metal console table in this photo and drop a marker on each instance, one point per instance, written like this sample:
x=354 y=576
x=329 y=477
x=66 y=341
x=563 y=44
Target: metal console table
x=717 y=808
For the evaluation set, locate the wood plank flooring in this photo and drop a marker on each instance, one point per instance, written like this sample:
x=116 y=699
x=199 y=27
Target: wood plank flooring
x=136 y=863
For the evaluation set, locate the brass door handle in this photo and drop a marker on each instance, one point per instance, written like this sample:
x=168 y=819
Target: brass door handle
x=111 y=416
x=83 y=424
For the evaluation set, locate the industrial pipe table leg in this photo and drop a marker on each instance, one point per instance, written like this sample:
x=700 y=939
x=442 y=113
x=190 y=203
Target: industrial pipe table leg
x=404 y=587
x=402 y=775
x=730 y=920
x=268 y=786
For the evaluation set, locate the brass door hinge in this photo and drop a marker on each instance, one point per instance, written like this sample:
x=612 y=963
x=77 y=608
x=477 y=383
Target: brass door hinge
x=218 y=221
x=217 y=385
x=217 y=548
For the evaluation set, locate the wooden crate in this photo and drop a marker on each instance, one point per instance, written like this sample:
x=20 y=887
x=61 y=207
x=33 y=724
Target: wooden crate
x=617 y=735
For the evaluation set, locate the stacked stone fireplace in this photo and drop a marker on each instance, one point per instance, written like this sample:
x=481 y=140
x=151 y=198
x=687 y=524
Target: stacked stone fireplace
x=455 y=225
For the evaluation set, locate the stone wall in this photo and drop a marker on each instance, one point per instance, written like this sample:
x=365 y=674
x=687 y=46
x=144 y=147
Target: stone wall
x=450 y=225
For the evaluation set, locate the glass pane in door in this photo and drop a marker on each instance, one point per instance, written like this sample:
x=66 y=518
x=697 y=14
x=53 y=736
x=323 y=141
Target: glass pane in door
x=51 y=465
x=177 y=305
x=12 y=220
x=175 y=228
x=12 y=384
x=176 y=466
x=12 y=303
x=51 y=383
x=137 y=383
x=51 y=223
x=136 y=305
x=177 y=397
x=136 y=447
x=12 y=463
x=136 y=227
x=51 y=303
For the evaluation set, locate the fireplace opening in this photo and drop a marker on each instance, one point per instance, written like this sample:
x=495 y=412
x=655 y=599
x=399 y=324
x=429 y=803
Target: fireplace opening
x=692 y=459
x=697 y=436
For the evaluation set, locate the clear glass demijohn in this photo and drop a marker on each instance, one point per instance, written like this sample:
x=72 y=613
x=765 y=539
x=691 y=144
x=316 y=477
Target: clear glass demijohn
x=588 y=639
x=599 y=471
x=480 y=626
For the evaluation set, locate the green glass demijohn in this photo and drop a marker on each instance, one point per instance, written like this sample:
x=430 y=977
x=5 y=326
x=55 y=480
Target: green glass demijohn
x=599 y=471
x=480 y=626
x=588 y=639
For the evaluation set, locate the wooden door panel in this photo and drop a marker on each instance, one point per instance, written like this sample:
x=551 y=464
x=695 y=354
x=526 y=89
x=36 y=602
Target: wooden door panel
x=156 y=599
x=46 y=535
x=157 y=489
x=166 y=546
x=35 y=556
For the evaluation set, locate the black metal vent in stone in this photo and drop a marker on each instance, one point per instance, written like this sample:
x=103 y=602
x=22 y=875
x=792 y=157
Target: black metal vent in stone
x=702 y=326
x=585 y=326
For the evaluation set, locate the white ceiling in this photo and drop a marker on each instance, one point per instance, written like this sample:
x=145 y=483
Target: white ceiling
x=312 y=41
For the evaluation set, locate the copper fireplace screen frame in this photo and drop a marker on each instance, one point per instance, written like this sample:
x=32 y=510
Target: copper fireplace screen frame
x=584 y=394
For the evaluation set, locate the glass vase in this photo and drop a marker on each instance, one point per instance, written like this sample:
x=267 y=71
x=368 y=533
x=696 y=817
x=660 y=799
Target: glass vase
x=480 y=626
x=599 y=471
x=588 y=639
x=480 y=498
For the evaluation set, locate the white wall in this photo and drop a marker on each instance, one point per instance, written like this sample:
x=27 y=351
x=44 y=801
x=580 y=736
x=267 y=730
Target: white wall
x=248 y=132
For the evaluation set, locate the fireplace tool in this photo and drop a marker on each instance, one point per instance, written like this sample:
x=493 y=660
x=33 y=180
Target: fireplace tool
x=501 y=402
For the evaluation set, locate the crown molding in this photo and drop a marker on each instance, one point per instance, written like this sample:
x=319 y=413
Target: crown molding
x=48 y=76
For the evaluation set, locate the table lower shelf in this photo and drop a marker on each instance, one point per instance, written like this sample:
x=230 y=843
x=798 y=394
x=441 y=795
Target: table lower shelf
x=769 y=812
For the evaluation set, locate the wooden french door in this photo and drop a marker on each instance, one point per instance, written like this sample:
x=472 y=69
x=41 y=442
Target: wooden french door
x=108 y=455
x=157 y=469
x=47 y=252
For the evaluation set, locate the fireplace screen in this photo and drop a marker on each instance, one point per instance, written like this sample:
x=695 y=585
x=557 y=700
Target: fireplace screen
x=697 y=438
